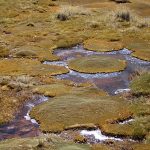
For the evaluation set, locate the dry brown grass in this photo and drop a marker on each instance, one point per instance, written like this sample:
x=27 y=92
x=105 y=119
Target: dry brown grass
x=123 y=16
x=66 y=12
x=120 y=1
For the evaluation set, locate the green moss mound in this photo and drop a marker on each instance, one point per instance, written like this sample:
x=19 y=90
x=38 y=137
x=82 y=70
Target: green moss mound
x=41 y=53
x=141 y=84
x=49 y=142
x=102 y=45
x=141 y=49
x=64 y=112
x=25 y=53
x=97 y=64
x=119 y=129
x=143 y=54
x=28 y=66
x=121 y=145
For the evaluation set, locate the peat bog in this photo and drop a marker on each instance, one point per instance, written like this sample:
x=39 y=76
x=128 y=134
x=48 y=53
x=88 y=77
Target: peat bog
x=75 y=75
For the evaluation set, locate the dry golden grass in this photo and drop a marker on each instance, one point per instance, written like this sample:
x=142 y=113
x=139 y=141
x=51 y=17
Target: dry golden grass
x=102 y=45
x=123 y=14
x=67 y=12
x=28 y=67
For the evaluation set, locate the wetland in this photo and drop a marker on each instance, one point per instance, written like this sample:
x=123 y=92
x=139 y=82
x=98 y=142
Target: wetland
x=75 y=75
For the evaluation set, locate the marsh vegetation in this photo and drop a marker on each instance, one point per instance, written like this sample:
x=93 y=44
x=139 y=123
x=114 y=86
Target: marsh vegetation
x=38 y=59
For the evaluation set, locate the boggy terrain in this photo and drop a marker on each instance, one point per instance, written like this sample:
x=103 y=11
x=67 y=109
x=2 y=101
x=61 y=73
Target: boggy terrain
x=36 y=37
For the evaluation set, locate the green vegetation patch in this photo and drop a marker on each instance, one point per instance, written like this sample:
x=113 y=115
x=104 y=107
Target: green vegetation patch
x=142 y=54
x=28 y=66
x=125 y=130
x=141 y=49
x=81 y=107
x=102 y=45
x=49 y=142
x=97 y=64
x=34 y=52
x=141 y=84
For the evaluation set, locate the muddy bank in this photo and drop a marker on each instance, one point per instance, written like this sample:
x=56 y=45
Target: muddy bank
x=23 y=125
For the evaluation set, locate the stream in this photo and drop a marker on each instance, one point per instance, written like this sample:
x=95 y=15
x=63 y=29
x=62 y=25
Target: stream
x=113 y=83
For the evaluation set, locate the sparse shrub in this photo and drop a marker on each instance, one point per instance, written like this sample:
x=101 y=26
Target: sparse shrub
x=121 y=1
x=66 y=12
x=19 y=82
x=52 y=4
x=41 y=144
x=94 y=24
x=141 y=22
x=24 y=79
x=80 y=139
x=4 y=80
x=123 y=14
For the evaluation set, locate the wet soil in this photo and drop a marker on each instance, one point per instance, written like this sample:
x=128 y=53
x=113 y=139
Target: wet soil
x=24 y=126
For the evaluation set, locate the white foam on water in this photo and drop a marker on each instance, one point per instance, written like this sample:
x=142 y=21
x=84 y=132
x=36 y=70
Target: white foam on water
x=34 y=121
x=28 y=118
x=98 y=135
x=57 y=63
x=96 y=75
x=80 y=49
x=127 y=121
x=137 y=61
x=118 y=91
x=78 y=74
x=31 y=105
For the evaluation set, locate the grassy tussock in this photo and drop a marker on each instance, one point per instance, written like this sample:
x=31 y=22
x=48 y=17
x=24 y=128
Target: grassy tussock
x=138 y=72
x=19 y=82
x=124 y=14
x=120 y=1
x=140 y=84
x=97 y=64
x=67 y=12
